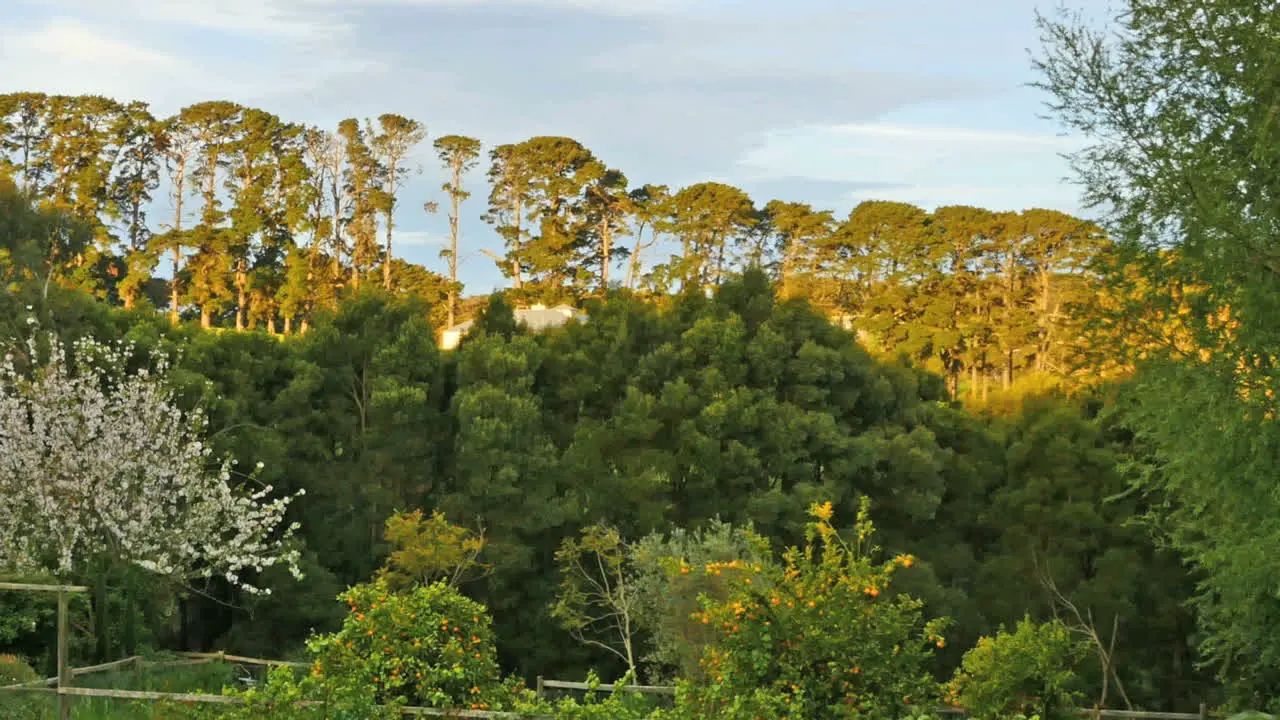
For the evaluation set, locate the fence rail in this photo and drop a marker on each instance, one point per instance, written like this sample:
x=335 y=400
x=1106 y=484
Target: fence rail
x=566 y=685
x=1204 y=713
x=65 y=691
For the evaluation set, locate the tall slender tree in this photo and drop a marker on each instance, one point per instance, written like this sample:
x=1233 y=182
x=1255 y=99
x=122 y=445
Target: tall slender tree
x=709 y=218
x=797 y=228
x=364 y=197
x=606 y=205
x=179 y=145
x=392 y=141
x=136 y=176
x=216 y=126
x=649 y=210
x=559 y=169
x=509 y=196
x=459 y=155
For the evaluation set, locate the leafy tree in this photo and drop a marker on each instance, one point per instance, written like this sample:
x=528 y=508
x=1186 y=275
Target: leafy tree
x=798 y=228
x=648 y=210
x=429 y=550
x=364 y=196
x=103 y=468
x=510 y=181
x=429 y=646
x=708 y=218
x=1178 y=108
x=606 y=203
x=812 y=637
x=393 y=140
x=598 y=602
x=1027 y=672
x=458 y=153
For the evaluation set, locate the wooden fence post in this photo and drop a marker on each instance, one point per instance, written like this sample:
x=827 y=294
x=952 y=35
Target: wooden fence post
x=64 y=664
x=538 y=692
x=1204 y=711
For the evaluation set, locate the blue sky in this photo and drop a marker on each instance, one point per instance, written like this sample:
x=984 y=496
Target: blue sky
x=823 y=101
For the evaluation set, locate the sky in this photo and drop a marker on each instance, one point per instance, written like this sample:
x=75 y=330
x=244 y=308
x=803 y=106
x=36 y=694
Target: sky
x=829 y=102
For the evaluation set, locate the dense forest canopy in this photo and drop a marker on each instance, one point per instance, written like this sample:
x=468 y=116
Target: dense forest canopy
x=1046 y=418
x=268 y=222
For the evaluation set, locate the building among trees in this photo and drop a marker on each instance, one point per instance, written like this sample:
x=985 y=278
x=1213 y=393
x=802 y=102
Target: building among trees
x=536 y=317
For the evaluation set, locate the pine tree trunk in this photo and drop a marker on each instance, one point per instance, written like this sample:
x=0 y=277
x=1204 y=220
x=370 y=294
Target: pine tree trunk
x=386 y=260
x=606 y=242
x=206 y=317
x=288 y=324
x=173 y=287
x=242 y=298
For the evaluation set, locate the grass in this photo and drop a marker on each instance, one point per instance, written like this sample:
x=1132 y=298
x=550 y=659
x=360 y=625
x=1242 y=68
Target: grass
x=209 y=677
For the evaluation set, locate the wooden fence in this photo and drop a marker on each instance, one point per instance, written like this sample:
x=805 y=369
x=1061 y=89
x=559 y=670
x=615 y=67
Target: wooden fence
x=63 y=683
x=1203 y=714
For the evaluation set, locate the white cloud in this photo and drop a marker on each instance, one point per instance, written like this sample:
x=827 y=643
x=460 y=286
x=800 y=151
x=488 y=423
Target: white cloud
x=606 y=7
x=67 y=56
x=294 y=19
x=928 y=166
x=1062 y=197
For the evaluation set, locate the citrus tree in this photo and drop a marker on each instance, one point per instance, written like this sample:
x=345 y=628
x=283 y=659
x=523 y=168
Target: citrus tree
x=429 y=645
x=818 y=635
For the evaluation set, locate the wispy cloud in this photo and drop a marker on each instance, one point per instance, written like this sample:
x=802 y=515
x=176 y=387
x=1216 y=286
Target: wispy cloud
x=927 y=165
x=65 y=55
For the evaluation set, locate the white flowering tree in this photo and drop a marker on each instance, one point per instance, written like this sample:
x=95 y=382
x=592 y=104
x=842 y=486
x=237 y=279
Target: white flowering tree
x=99 y=461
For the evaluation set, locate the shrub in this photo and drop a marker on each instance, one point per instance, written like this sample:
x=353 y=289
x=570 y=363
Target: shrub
x=817 y=636
x=616 y=705
x=429 y=645
x=284 y=696
x=14 y=671
x=14 y=705
x=1027 y=672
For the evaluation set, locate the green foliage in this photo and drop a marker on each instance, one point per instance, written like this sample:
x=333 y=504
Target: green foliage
x=15 y=705
x=428 y=645
x=670 y=592
x=618 y=704
x=284 y=695
x=427 y=550
x=14 y=671
x=1178 y=102
x=817 y=636
x=1029 y=671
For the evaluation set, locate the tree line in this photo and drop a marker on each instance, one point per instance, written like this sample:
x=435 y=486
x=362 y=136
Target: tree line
x=271 y=221
x=661 y=421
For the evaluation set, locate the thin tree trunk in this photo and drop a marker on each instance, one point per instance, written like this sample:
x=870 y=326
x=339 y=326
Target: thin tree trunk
x=386 y=261
x=391 y=208
x=633 y=263
x=515 y=262
x=606 y=250
x=179 y=183
x=454 y=232
x=242 y=294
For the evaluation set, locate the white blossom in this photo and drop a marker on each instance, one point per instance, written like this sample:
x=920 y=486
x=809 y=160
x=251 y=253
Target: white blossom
x=96 y=459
